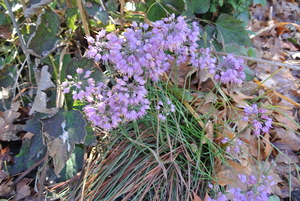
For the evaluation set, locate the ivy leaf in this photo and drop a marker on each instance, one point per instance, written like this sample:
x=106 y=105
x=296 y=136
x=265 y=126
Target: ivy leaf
x=232 y=31
x=44 y=40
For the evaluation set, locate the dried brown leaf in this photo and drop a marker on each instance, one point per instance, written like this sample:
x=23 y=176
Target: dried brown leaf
x=6 y=189
x=196 y=197
x=267 y=146
x=40 y=100
x=23 y=190
x=288 y=138
x=209 y=128
x=8 y=130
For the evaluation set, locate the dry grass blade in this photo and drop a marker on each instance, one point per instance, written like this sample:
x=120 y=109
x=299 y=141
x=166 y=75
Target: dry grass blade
x=133 y=169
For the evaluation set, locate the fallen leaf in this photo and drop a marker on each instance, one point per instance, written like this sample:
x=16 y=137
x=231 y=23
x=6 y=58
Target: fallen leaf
x=209 y=131
x=267 y=146
x=6 y=189
x=196 y=197
x=40 y=100
x=287 y=138
x=22 y=190
x=8 y=130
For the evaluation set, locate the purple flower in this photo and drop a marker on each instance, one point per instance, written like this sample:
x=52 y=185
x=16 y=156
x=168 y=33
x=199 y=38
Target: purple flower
x=230 y=70
x=90 y=39
x=259 y=120
x=243 y=178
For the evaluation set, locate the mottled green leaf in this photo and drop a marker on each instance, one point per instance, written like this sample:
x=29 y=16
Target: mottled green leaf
x=86 y=64
x=37 y=148
x=90 y=139
x=232 y=31
x=62 y=131
x=73 y=165
x=22 y=160
x=43 y=41
x=97 y=12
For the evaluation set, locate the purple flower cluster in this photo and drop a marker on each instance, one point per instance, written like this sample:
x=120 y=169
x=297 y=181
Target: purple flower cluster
x=164 y=109
x=202 y=59
x=261 y=123
x=230 y=71
x=107 y=107
x=257 y=191
x=137 y=55
x=142 y=51
x=235 y=143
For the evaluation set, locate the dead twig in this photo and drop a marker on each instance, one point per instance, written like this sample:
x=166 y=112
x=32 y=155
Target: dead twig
x=273 y=63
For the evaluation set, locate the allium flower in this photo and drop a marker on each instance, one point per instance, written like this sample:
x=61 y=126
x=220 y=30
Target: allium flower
x=230 y=71
x=261 y=123
x=109 y=107
x=164 y=108
x=256 y=191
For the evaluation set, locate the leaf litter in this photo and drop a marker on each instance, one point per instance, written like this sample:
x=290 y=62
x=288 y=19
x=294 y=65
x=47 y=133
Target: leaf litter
x=277 y=152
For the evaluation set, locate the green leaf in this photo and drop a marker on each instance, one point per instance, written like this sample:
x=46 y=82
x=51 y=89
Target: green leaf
x=43 y=41
x=37 y=147
x=102 y=16
x=62 y=131
x=195 y=6
x=73 y=165
x=90 y=139
x=4 y=19
x=71 y=15
x=97 y=12
x=156 y=12
x=7 y=74
x=22 y=160
x=273 y=198
x=262 y=2
x=86 y=64
x=75 y=126
x=178 y=5
x=232 y=31
x=201 y=7
x=130 y=6
x=250 y=75
x=159 y=10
